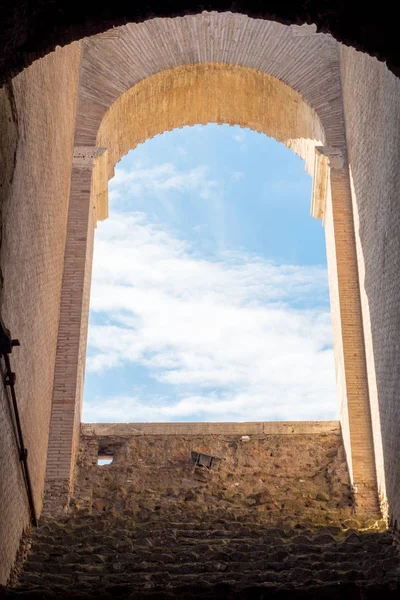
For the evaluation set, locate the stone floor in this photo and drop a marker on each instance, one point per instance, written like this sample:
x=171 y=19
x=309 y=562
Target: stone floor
x=105 y=556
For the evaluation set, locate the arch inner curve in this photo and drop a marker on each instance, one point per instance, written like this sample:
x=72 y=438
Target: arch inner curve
x=196 y=95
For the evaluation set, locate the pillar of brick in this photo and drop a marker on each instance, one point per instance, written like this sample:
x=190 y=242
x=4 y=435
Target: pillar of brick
x=356 y=411
x=72 y=337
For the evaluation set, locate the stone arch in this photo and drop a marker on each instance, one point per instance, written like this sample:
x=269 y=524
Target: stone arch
x=223 y=68
x=114 y=62
x=191 y=95
x=296 y=89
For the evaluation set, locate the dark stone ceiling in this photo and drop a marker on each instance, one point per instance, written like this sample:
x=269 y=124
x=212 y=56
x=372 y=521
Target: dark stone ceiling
x=29 y=29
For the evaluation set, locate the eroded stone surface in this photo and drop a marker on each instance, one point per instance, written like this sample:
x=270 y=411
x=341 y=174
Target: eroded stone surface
x=276 y=477
x=274 y=519
x=118 y=556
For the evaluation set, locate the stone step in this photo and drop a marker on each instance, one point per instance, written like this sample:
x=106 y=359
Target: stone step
x=323 y=591
x=233 y=530
x=104 y=553
x=297 y=544
x=295 y=572
x=188 y=573
x=202 y=522
x=122 y=567
x=151 y=539
x=162 y=581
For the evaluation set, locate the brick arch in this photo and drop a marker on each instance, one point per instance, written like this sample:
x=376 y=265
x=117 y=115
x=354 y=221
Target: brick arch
x=224 y=68
x=118 y=60
x=191 y=95
x=283 y=81
x=30 y=30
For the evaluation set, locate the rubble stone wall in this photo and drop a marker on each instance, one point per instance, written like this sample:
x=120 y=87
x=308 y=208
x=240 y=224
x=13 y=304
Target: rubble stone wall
x=300 y=476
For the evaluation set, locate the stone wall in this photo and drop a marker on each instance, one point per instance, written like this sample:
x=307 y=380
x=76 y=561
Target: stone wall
x=371 y=96
x=33 y=238
x=213 y=428
x=293 y=475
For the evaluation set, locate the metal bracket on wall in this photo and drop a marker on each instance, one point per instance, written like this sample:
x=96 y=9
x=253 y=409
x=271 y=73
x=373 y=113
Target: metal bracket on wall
x=198 y=459
x=9 y=378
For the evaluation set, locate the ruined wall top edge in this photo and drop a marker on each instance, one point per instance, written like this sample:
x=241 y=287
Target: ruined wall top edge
x=268 y=427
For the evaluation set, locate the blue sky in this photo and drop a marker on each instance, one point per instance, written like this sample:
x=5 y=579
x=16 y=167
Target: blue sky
x=209 y=296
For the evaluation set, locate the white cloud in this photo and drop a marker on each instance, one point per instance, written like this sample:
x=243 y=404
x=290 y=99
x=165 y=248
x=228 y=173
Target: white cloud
x=181 y=152
x=160 y=179
x=231 y=338
x=239 y=137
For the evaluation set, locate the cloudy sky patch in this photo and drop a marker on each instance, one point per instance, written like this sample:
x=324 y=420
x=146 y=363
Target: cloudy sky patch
x=196 y=314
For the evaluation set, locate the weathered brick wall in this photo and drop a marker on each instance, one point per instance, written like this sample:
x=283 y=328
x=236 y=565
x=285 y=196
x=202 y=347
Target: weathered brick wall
x=341 y=391
x=71 y=346
x=294 y=473
x=8 y=145
x=372 y=115
x=33 y=232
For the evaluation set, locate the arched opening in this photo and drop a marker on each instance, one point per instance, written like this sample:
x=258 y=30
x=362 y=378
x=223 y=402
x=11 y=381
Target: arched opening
x=191 y=95
x=210 y=296
x=223 y=93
